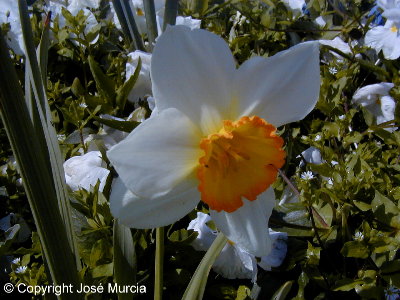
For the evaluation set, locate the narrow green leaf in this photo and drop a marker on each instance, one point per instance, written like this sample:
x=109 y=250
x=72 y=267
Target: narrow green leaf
x=197 y=285
x=124 y=257
x=151 y=22
x=124 y=12
x=124 y=90
x=104 y=84
x=126 y=126
x=36 y=176
x=171 y=11
x=282 y=292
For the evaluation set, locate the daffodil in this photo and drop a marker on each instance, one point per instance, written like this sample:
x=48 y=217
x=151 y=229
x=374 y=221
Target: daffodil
x=213 y=138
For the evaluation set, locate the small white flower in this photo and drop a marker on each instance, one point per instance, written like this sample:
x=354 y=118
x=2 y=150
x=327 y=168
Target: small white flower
x=16 y=261
x=334 y=163
x=375 y=98
x=317 y=138
x=358 y=236
x=342 y=117
x=234 y=262
x=21 y=269
x=332 y=70
x=307 y=175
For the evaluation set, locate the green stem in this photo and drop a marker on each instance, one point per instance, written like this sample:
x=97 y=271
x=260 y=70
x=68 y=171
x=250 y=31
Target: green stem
x=363 y=63
x=197 y=284
x=158 y=280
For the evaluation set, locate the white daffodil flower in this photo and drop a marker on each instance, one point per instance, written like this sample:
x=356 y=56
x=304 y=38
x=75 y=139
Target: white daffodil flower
x=83 y=172
x=142 y=86
x=386 y=38
x=213 y=138
x=9 y=14
x=376 y=99
x=234 y=262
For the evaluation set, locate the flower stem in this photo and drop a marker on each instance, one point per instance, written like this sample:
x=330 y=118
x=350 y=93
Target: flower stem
x=158 y=280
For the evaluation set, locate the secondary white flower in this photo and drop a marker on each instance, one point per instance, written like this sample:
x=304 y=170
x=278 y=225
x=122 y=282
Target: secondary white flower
x=16 y=261
x=376 y=99
x=21 y=269
x=82 y=172
x=143 y=84
x=311 y=155
x=339 y=44
x=295 y=5
x=358 y=236
x=9 y=14
x=206 y=140
x=307 y=175
x=385 y=38
x=234 y=262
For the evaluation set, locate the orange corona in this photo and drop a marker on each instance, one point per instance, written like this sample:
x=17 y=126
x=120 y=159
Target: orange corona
x=241 y=160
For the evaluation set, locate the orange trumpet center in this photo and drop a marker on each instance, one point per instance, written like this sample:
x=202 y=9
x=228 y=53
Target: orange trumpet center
x=241 y=160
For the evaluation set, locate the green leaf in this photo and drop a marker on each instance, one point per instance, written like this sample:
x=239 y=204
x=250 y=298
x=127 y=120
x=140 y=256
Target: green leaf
x=347 y=284
x=183 y=236
x=125 y=267
x=126 y=126
x=282 y=292
x=103 y=271
x=385 y=210
x=104 y=84
x=355 y=249
x=124 y=90
x=195 y=289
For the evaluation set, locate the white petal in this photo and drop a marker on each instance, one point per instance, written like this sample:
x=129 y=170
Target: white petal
x=248 y=225
x=312 y=155
x=158 y=154
x=234 y=263
x=388 y=106
x=191 y=70
x=278 y=253
x=143 y=84
x=281 y=89
x=337 y=43
x=137 y=212
x=84 y=171
x=368 y=94
x=205 y=236
x=188 y=21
